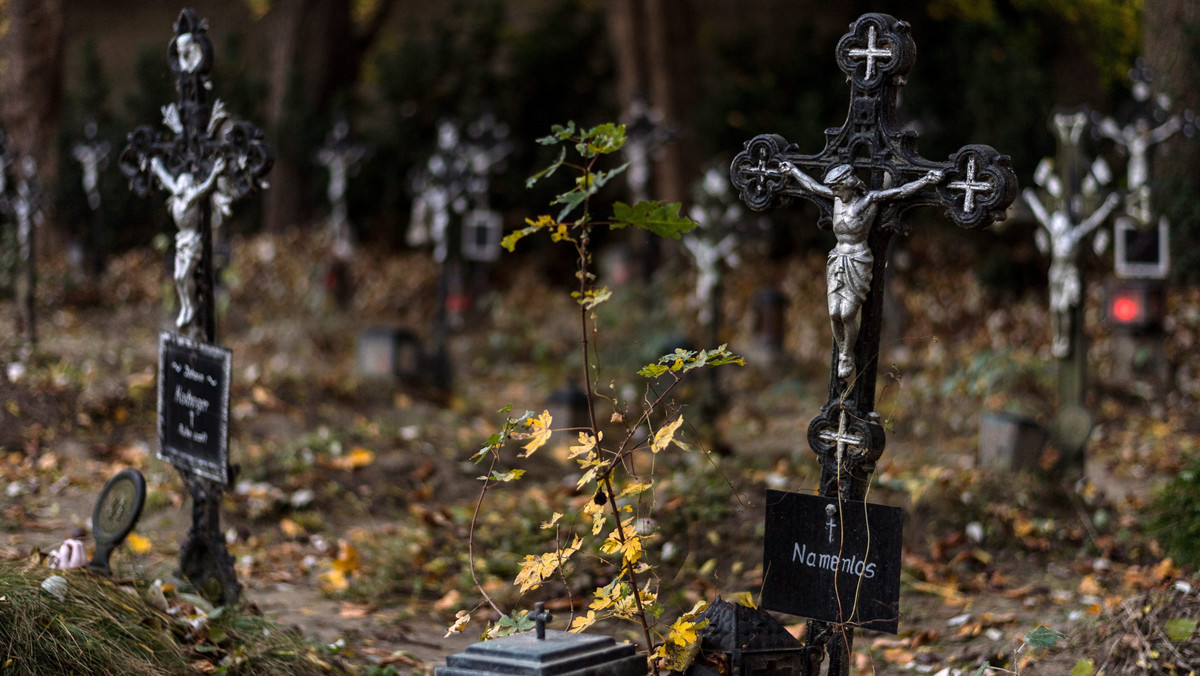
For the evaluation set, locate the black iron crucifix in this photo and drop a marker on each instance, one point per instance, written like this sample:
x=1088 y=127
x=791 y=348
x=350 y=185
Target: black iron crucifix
x=209 y=160
x=975 y=186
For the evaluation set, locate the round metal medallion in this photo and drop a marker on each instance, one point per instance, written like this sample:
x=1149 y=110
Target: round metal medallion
x=119 y=506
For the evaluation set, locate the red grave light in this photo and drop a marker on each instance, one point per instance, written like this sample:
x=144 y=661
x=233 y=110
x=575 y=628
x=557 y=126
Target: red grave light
x=1133 y=304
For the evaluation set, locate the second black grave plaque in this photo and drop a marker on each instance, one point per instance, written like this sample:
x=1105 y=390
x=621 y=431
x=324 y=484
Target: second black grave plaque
x=831 y=560
x=193 y=406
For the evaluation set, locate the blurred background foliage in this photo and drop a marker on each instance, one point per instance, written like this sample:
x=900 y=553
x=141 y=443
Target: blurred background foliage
x=988 y=71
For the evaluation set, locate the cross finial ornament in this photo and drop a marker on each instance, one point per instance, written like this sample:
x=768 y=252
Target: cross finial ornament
x=541 y=617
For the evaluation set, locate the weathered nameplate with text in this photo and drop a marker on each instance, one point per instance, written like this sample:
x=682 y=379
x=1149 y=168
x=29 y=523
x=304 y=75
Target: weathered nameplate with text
x=831 y=560
x=193 y=405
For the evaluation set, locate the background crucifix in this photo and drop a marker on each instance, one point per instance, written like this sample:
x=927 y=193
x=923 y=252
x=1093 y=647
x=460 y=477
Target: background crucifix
x=92 y=155
x=341 y=159
x=207 y=161
x=872 y=155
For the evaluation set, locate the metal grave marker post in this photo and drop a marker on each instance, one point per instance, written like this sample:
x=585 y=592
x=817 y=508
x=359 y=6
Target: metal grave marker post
x=712 y=246
x=1072 y=189
x=863 y=181
x=8 y=235
x=92 y=156
x=26 y=208
x=207 y=161
x=1141 y=256
x=341 y=158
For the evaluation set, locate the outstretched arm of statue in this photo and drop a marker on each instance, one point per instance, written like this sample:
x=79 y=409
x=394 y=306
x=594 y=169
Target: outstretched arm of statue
x=909 y=189
x=217 y=168
x=1098 y=216
x=164 y=176
x=1039 y=211
x=1164 y=131
x=807 y=182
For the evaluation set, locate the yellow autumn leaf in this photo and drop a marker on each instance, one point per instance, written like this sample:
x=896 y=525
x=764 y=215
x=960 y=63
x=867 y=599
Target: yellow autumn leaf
x=357 y=457
x=582 y=622
x=360 y=457
x=546 y=525
x=587 y=442
x=635 y=489
x=347 y=559
x=665 y=435
x=683 y=632
x=538 y=435
x=746 y=599
x=138 y=544
x=460 y=620
x=290 y=528
x=535 y=570
x=334 y=580
x=346 y=565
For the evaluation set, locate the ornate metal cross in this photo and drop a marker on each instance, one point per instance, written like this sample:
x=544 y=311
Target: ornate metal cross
x=868 y=175
x=872 y=176
x=209 y=160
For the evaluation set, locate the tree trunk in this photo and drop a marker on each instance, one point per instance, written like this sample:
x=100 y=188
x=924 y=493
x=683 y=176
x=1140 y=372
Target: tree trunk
x=32 y=80
x=31 y=94
x=654 y=47
x=316 y=55
x=1171 y=49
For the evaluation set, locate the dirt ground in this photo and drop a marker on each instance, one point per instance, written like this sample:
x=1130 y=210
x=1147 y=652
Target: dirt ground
x=988 y=557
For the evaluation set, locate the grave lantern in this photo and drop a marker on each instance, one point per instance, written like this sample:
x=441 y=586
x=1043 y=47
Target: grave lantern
x=1141 y=252
x=1134 y=305
x=386 y=352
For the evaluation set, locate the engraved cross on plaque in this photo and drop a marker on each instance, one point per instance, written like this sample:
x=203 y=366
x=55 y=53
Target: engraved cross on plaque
x=866 y=178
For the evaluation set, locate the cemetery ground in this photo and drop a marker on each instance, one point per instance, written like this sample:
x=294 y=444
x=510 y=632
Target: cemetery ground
x=351 y=515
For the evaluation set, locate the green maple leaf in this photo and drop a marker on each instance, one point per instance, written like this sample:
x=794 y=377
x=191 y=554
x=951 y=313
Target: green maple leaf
x=1042 y=636
x=660 y=218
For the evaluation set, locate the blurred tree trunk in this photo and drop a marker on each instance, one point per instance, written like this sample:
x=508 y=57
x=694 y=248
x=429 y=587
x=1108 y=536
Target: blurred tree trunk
x=316 y=57
x=31 y=98
x=653 y=42
x=1171 y=47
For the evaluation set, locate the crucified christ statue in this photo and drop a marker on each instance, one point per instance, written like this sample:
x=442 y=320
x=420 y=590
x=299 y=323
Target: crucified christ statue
x=849 y=269
x=184 y=205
